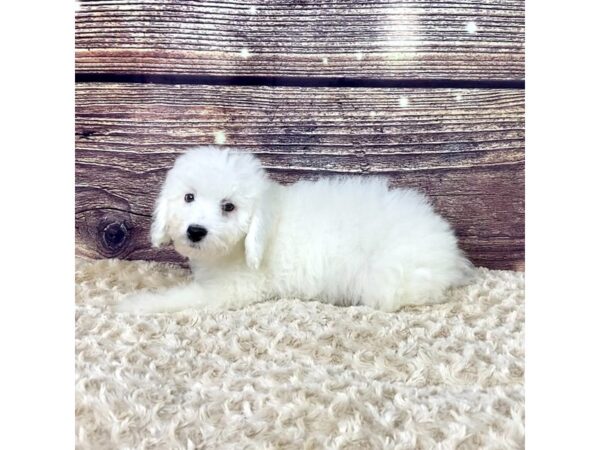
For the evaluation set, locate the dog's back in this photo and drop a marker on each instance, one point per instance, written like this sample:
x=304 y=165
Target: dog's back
x=353 y=240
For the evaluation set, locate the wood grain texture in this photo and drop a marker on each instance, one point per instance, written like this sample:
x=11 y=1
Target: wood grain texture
x=379 y=39
x=462 y=147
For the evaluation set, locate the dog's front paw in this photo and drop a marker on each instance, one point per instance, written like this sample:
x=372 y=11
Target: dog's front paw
x=142 y=303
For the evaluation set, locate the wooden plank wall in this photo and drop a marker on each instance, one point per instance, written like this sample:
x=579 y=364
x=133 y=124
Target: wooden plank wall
x=428 y=93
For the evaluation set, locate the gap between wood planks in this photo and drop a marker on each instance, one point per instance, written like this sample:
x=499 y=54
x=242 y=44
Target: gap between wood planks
x=287 y=81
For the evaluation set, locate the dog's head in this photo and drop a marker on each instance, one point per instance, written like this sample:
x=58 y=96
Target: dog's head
x=210 y=202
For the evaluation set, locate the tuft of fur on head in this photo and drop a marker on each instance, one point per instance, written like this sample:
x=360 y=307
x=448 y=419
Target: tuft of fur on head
x=214 y=177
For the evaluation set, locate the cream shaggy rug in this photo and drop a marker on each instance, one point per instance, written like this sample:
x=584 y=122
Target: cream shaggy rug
x=289 y=374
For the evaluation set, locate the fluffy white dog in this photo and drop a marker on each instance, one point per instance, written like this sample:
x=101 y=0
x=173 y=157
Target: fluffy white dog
x=341 y=240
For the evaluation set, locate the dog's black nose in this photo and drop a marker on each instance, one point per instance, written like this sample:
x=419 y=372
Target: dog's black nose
x=196 y=233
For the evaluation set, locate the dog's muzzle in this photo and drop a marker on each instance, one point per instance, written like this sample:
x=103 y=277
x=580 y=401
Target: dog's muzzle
x=196 y=233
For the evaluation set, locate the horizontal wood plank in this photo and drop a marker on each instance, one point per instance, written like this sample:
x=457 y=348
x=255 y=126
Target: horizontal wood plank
x=464 y=148
x=378 y=39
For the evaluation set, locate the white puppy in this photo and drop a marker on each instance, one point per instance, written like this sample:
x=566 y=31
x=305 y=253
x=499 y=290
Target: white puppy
x=341 y=240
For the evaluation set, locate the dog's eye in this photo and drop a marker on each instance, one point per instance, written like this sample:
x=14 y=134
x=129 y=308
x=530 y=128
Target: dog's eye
x=228 y=207
x=189 y=198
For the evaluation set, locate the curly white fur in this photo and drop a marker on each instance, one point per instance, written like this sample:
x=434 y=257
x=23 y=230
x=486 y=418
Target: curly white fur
x=340 y=240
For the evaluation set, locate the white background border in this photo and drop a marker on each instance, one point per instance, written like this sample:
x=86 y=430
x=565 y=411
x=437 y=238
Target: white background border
x=37 y=225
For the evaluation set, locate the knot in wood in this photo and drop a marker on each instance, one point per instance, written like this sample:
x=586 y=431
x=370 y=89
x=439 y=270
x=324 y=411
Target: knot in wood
x=114 y=236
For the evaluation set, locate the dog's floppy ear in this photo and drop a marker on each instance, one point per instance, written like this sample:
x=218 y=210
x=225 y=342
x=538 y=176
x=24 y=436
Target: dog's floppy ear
x=258 y=233
x=158 y=230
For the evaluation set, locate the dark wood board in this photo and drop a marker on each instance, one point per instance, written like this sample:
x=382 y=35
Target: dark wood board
x=464 y=148
x=372 y=39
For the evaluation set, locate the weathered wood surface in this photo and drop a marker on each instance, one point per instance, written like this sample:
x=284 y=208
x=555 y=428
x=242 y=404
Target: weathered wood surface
x=382 y=39
x=465 y=148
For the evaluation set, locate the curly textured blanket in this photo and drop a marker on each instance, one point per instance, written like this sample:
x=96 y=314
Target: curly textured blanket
x=291 y=374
